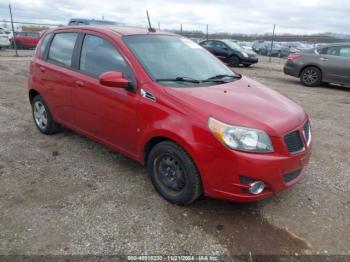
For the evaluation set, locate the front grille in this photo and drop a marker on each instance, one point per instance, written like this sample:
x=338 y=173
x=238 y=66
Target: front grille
x=294 y=142
x=307 y=131
x=291 y=176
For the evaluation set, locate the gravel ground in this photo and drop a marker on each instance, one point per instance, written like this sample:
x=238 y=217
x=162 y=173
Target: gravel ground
x=64 y=194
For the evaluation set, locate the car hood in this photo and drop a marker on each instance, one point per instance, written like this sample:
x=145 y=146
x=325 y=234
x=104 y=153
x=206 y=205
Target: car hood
x=248 y=51
x=243 y=102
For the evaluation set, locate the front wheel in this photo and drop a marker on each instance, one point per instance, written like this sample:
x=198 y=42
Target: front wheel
x=42 y=116
x=234 y=61
x=311 y=76
x=174 y=174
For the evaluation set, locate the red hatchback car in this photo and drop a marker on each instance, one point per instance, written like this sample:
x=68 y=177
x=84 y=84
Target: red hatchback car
x=163 y=100
x=25 y=39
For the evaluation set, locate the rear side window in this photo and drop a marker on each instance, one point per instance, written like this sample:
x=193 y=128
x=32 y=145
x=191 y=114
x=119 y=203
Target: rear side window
x=61 y=49
x=43 y=45
x=33 y=34
x=99 y=56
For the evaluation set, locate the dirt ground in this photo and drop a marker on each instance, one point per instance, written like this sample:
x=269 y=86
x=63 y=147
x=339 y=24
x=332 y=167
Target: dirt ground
x=64 y=194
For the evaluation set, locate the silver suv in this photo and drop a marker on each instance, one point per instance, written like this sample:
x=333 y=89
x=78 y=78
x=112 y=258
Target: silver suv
x=324 y=64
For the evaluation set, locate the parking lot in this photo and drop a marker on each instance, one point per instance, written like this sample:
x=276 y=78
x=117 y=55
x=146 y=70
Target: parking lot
x=65 y=194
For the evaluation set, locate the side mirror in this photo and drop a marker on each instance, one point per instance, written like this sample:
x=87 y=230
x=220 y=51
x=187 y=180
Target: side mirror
x=113 y=79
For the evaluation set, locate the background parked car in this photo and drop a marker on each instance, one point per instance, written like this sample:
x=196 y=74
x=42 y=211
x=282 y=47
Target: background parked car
x=246 y=45
x=230 y=52
x=277 y=49
x=25 y=39
x=6 y=31
x=327 y=64
x=4 y=41
x=82 y=21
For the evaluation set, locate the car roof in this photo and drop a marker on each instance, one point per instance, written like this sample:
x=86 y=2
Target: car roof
x=120 y=30
x=335 y=44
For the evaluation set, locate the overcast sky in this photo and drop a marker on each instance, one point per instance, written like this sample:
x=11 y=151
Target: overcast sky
x=235 y=16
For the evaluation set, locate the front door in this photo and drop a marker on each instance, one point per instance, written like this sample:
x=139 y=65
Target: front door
x=107 y=113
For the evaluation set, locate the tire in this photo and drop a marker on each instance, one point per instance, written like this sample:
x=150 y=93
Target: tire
x=311 y=76
x=247 y=65
x=42 y=116
x=234 y=61
x=174 y=174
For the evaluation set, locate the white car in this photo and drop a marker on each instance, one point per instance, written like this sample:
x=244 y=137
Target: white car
x=4 y=40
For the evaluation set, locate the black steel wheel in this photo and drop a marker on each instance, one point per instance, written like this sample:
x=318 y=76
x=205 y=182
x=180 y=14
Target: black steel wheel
x=174 y=174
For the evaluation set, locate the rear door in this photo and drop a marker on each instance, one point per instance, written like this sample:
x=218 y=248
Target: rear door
x=53 y=74
x=335 y=64
x=107 y=113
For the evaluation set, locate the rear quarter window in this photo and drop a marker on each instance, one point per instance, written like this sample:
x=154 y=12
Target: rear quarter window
x=61 y=49
x=44 y=44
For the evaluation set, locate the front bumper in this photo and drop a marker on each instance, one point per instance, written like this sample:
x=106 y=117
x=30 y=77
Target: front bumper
x=249 y=60
x=227 y=171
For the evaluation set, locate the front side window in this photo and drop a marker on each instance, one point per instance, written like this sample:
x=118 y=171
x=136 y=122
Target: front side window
x=99 y=56
x=345 y=51
x=208 y=43
x=233 y=45
x=61 y=49
x=171 y=57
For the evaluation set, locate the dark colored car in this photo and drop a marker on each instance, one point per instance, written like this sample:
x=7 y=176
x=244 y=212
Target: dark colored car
x=230 y=52
x=169 y=104
x=277 y=50
x=25 y=39
x=83 y=21
x=324 y=64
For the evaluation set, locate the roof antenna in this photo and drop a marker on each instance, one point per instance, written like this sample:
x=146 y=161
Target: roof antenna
x=150 y=29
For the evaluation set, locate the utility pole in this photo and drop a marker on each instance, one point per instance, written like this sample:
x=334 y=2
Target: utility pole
x=13 y=33
x=207 y=31
x=273 y=38
x=159 y=26
x=181 y=28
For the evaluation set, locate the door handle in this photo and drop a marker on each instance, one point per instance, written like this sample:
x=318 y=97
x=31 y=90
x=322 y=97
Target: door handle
x=323 y=59
x=42 y=69
x=79 y=83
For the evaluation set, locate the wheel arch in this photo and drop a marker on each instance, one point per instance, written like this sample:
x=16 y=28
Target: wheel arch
x=155 y=139
x=32 y=93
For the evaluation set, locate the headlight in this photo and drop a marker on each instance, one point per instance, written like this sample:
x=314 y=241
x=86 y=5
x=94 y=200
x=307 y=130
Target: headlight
x=241 y=138
x=244 y=54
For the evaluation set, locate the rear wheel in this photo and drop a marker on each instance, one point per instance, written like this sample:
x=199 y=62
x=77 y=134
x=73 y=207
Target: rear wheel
x=42 y=116
x=311 y=76
x=234 y=61
x=174 y=174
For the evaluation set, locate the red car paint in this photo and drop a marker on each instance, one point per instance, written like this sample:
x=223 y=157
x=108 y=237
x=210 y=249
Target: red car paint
x=126 y=122
x=26 y=39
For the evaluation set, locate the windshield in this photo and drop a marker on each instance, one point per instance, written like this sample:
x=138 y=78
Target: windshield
x=178 y=60
x=233 y=45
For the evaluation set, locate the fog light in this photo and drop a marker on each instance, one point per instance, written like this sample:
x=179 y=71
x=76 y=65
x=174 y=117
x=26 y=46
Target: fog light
x=256 y=187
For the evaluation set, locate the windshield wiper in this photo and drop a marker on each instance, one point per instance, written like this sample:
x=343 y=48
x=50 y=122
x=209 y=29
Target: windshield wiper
x=221 y=77
x=179 y=79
